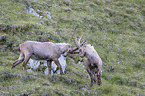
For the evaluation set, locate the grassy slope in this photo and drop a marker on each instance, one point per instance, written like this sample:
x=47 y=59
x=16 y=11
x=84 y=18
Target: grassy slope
x=115 y=28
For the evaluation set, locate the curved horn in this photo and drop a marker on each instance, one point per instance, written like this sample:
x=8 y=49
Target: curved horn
x=77 y=42
x=75 y=38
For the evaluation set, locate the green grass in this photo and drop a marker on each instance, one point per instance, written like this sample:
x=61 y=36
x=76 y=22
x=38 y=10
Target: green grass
x=114 y=27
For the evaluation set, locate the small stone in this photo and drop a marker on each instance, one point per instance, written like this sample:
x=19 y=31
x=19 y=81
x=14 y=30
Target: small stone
x=46 y=83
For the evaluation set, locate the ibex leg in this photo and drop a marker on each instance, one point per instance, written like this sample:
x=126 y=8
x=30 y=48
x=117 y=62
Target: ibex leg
x=49 y=66
x=19 y=60
x=99 y=76
x=93 y=79
x=58 y=65
x=26 y=59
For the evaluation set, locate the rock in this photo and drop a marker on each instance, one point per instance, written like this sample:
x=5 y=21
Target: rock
x=48 y=14
x=86 y=90
x=35 y=64
x=29 y=70
x=46 y=83
x=31 y=10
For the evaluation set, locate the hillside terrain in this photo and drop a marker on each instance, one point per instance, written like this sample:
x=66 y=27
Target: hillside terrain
x=116 y=29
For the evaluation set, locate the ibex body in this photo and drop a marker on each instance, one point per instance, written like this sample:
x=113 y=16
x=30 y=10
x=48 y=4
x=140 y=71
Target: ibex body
x=41 y=51
x=93 y=63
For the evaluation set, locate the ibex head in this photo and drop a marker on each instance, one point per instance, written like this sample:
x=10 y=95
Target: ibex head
x=79 y=46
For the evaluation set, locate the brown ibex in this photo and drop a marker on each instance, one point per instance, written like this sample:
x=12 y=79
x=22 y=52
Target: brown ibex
x=93 y=62
x=41 y=51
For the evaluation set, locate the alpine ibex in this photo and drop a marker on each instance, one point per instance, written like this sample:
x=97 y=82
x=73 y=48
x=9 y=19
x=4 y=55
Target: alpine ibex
x=41 y=51
x=93 y=62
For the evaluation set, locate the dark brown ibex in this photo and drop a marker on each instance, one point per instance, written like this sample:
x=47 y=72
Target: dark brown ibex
x=41 y=51
x=93 y=63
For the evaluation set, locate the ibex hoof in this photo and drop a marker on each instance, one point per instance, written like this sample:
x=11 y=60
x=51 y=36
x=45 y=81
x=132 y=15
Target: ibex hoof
x=12 y=67
x=99 y=83
x=91 y=85
x=61 y=73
